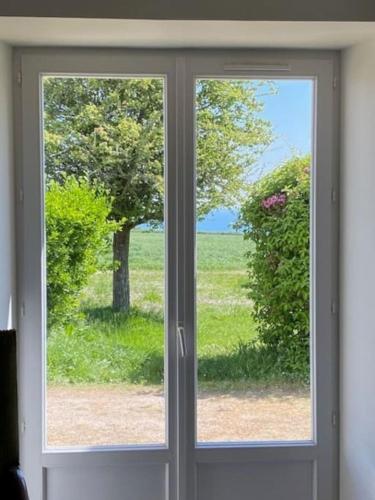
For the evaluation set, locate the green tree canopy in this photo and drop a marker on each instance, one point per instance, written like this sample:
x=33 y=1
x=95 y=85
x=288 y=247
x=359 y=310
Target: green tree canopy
x=112 y=131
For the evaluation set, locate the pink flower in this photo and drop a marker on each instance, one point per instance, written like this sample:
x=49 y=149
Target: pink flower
x=275 y=200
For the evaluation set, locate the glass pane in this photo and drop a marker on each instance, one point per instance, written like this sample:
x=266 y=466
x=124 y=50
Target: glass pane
x=104 y=205
x=253 y=167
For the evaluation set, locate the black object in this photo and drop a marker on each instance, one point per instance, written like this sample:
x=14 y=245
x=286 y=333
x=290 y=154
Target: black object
x=12 y=481
x=14 y=485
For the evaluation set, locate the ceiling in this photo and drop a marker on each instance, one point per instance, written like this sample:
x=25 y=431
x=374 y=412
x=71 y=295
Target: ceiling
x=177 y=34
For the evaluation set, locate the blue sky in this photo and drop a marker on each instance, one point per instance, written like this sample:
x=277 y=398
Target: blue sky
x=290 y=112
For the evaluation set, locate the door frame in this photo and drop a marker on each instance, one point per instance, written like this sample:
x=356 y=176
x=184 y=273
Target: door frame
x=31 y=64
x=180 y=66
x=323 y=68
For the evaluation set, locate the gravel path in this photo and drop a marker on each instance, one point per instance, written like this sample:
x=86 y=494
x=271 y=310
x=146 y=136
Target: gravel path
x=110 y=415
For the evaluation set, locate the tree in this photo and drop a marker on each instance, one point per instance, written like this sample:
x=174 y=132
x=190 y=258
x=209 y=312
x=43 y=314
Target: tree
x=112 y=131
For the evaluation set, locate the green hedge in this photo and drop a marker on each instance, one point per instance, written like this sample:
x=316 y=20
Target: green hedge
x=76 y=229
x=276 y=219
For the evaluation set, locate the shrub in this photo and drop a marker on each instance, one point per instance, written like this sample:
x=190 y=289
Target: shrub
x=77 y=229
x=276 y=219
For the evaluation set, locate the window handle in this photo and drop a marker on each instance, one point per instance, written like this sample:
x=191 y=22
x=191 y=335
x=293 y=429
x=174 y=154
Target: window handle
x=181 y=340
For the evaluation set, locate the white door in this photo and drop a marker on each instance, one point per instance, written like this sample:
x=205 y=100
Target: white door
x=263 y=442
x=173 y=395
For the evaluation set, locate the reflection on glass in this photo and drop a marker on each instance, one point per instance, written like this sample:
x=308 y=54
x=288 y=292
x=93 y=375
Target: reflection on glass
x=253 y=168
x=104 y=202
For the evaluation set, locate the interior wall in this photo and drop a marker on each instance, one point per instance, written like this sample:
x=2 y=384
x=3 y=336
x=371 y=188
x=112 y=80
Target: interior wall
x=266 y=10
x=357 y=258
x=358 y=274
x=7 y=247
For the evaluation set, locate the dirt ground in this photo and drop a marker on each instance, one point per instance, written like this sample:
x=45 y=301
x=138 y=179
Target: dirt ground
x=113 y=415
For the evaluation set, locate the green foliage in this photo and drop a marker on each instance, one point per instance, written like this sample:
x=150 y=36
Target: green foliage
x=110 y=347
x=76 y=229
x=109 y=131
x=112 y=130
x=106 y=346
x=231 y=135
x=276 y=220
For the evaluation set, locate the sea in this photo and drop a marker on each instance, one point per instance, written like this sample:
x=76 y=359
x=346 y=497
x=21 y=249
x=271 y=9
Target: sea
x=219 y=221
x=222 y=220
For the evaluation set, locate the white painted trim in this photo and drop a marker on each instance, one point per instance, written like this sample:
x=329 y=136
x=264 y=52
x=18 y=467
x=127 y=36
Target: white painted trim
x=31 y=323
x=181 y=67
x=320 y=67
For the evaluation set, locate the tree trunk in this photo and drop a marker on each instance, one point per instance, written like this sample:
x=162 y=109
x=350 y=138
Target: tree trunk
x=121 y=289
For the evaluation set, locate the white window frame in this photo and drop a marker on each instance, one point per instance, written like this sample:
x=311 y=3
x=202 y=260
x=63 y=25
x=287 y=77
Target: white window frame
x=322 y=67
x=181 y=69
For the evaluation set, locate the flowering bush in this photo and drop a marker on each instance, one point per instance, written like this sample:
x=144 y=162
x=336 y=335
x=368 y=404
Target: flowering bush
x=276 y=219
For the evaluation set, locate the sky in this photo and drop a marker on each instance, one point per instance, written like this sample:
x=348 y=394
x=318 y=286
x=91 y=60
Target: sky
x=290 y=112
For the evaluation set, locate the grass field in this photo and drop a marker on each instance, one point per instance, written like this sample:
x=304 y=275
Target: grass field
x=108 y=347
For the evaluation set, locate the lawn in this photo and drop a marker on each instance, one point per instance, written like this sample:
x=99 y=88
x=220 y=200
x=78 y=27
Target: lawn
x=108 y=347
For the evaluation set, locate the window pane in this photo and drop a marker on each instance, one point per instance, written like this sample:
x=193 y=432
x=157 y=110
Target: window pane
x=104 y=206
x=253 y=167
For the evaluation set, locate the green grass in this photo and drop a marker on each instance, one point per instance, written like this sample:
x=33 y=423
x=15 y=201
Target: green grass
x=216 y=251
x=107 y=347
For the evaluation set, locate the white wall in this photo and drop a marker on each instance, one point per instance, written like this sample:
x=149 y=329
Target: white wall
x=7 y=255
x=358 y=275
x=357 y=256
